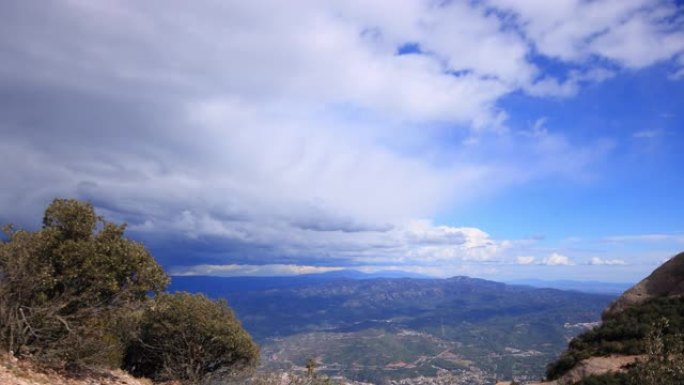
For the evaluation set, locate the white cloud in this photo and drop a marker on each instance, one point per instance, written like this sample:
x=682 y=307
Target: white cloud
x=633 y=33
x=273 y=270
x=339 y=53
x=234 y=270
x=677 y=238
x=679 y=74
x=640 y=40
x=525 y=260
x=556 y=259
x=647 y=134
x=600 y=261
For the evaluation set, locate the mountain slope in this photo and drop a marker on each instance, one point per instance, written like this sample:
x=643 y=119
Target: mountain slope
x=646 y=322
x=665 y=281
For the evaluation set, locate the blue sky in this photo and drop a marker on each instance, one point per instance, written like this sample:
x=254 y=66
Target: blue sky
x=499 y=139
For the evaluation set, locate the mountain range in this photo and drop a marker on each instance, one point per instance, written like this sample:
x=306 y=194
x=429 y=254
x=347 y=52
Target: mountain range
x=386 y=329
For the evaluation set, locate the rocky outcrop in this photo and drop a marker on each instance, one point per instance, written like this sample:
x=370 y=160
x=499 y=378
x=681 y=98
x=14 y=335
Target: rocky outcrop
x=665 y=281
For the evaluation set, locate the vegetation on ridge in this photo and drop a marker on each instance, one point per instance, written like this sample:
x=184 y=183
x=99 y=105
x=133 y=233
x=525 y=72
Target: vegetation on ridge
x=623 y=333
x=78 y=292
x=662 y=364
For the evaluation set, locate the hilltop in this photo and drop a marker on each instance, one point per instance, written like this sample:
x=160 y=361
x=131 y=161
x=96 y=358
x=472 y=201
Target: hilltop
x=665 y=281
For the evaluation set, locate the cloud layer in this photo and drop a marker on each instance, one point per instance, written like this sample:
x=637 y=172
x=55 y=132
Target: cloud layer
x=302 y=133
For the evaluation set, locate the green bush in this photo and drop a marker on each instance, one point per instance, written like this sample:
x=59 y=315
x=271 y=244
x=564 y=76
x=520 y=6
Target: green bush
x=185 y=337
x=66 y=287
x=78 y=292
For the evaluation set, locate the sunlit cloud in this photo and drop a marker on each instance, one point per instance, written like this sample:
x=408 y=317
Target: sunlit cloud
x=600 y=261
x=556 y=259
x=526 y=260
x=234 y=270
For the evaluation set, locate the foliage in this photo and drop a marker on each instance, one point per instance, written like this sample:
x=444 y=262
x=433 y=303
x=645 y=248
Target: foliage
x=664 y=362
x=185 y=336
x=623 y=333
x=66 y=289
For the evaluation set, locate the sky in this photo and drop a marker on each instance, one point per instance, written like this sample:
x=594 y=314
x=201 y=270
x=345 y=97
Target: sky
x=495 y=138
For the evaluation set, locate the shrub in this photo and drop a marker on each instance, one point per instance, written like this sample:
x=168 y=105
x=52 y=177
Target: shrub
x=66 y=287
x=78 y=292
x=185 y=337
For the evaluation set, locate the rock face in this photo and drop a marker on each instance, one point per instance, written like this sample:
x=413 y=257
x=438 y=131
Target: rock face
x=665 y=281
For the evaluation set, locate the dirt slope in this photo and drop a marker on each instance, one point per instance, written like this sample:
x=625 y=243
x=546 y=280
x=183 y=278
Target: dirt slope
x=593 y=365
x=665 y=281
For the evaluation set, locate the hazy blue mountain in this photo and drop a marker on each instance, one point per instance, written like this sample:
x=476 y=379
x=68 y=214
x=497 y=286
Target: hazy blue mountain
x=379 y=328
x=221 y=286
x=583 y=286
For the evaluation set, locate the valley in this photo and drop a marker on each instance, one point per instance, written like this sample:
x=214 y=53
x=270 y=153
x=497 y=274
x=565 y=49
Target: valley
x=406 y=330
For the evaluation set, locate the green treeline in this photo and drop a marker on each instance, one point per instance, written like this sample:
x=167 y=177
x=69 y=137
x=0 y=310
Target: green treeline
x=78 y=292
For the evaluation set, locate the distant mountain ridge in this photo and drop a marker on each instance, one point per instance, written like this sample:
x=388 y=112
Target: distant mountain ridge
x=379 y=328
x=216 y=285
x=356 y=274
x=582 y=286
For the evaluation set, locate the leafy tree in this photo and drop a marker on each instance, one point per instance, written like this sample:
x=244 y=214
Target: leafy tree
x=67 y=289
x=188 y=336
x=311 y=367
